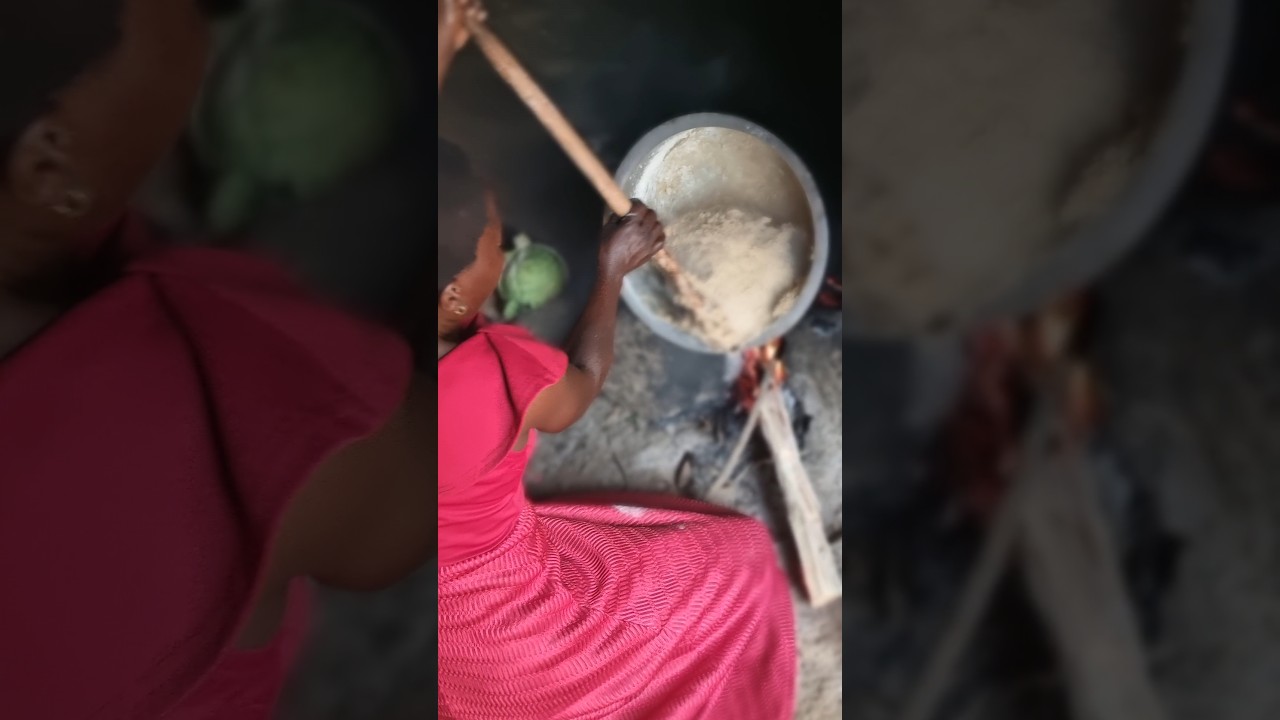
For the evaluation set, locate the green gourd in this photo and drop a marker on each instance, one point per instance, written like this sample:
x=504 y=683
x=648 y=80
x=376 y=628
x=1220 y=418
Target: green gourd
x=534 y=275
x=305 y=93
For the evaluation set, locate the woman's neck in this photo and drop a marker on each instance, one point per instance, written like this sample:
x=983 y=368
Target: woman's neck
x=444 y=347
x=32 y=264
x=452 y=330
x=446 y=342
x=22 y=320
x=40 y=278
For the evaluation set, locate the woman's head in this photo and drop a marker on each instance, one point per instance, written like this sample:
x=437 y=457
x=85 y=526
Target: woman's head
x=469 y=239
x=94 y=94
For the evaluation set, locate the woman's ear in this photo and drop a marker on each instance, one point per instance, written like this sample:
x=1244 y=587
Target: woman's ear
x=42 y=171
x=452 y=303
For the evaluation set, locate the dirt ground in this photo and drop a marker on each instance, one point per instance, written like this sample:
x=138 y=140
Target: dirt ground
x=1192 y=357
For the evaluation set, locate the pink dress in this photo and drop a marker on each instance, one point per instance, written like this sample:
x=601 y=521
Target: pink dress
x=150 y=441
x=613 y=607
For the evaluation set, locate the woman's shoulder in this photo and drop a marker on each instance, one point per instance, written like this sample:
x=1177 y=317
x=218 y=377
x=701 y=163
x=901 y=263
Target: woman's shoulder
x=486 y=386
x=521 y=358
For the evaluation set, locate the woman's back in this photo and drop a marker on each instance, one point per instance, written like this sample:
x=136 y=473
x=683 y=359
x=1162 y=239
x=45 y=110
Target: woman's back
x=486 y=386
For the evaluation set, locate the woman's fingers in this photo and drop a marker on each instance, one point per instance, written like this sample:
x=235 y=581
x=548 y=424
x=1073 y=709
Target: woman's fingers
x=647 y=223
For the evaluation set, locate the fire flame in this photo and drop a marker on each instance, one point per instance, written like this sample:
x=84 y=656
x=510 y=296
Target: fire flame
x=1009 y=365
x=830 y=297
x=759 y=363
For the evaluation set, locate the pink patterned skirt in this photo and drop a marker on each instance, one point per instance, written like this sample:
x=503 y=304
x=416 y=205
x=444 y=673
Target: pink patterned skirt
x=621 y=606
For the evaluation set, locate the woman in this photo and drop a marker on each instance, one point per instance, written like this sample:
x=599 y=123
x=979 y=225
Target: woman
x=623 y=606
x=186 y=438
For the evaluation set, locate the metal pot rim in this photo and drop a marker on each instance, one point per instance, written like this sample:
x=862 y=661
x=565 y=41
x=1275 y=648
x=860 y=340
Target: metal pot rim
x=1176 y=142
x=644 y=148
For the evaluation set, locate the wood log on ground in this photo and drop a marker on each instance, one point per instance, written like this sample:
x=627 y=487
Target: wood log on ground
x=1073 y=574
x=999 y=549
x=1050 y=525
x=822 y=577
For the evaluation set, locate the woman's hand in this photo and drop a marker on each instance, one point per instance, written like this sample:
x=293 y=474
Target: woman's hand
x=631 y=240
x=452 y=17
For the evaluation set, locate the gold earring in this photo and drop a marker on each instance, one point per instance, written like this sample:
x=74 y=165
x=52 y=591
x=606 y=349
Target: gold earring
x=75 y=203
x=460 y=310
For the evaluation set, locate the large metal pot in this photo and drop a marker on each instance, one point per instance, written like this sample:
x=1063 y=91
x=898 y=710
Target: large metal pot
x=803 y=208
x=1189 y=112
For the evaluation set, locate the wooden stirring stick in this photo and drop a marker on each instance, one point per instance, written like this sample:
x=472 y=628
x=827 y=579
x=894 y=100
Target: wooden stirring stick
x=574 y=146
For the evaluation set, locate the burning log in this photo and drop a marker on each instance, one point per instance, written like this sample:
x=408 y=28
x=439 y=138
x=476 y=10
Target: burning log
x=1072 y=571
x=760 y=365
x=1049 y=519
x=822 y=577
x=831 y=297
x=758 y=390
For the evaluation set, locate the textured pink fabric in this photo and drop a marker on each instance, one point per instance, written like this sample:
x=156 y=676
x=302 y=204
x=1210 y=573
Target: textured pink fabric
x=149 y=443
x=623 y=606
x=478 y=506
x=247 y=683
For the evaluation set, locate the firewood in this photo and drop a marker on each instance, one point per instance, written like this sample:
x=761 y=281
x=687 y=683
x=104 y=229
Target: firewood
x=822 y=577
x=1073 y=574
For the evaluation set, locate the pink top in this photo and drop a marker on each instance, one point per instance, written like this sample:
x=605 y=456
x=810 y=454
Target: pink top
x=499 y=366
x=149 y=442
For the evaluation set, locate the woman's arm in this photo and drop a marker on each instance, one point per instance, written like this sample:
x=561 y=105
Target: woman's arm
x=364 y=520
x=628 y=243
x=451 y=21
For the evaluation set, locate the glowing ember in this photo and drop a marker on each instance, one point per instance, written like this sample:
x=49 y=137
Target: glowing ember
x=1008 y=365
x=981 y=437
x=832 y=294
x=758 y=363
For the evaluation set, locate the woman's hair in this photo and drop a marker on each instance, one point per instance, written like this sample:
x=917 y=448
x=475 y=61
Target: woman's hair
x=47 y=44
x=462 y=212
x=44 y=46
